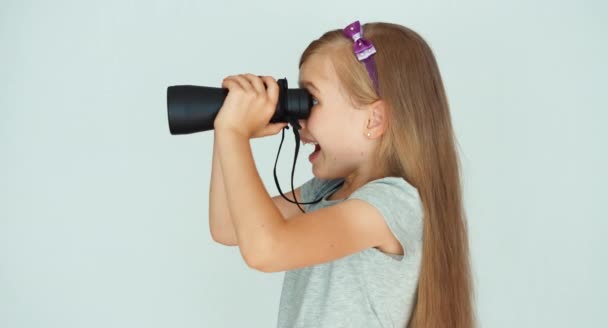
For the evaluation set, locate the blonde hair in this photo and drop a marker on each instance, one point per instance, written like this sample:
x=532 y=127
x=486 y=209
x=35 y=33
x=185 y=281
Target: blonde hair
x=419 y=145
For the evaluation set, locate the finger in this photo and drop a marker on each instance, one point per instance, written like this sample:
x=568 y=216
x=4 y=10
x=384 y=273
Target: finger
x=257 y=83
x=230 y=83
x=272 y=88
x=244 y=83
x=278 y=127
x=271 y=129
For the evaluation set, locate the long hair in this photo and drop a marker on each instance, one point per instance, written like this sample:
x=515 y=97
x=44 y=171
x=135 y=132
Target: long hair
x=419 y=145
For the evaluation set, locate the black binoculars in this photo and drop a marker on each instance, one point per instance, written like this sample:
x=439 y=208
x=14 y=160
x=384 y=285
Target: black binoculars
x=193 y=108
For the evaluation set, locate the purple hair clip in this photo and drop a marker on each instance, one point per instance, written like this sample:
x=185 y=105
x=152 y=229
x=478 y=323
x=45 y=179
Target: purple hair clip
x=363 y=49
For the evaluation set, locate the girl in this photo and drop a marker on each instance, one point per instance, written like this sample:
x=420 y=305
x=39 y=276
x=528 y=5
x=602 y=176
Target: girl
x=383 y=242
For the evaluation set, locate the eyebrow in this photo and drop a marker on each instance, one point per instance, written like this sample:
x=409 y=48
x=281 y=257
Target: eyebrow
x=309 y=83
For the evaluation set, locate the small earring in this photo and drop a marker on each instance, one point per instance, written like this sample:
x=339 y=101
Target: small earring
x=369 y=134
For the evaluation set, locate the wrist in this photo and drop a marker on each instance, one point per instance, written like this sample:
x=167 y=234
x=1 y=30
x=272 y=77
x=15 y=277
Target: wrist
x=230 y=133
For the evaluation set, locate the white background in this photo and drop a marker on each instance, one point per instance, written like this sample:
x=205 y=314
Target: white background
x=103 y=213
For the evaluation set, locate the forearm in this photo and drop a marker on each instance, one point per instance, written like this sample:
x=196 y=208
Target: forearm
x=254 y=215
x=220 y=222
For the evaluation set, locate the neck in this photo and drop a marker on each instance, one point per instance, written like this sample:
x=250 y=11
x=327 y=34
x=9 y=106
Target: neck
x=354 y=181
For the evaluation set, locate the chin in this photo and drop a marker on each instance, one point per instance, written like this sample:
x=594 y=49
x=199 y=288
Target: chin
x=317 y=174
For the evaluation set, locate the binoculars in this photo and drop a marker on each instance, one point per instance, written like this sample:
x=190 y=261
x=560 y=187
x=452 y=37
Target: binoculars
x=193 y=108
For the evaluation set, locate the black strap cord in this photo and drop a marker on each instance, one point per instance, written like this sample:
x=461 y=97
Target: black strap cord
x=296 y=126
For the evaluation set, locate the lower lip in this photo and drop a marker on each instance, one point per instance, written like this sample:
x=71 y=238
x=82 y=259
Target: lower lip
x=315 y=154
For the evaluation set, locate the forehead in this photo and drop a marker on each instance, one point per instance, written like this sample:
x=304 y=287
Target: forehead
x=316 y=69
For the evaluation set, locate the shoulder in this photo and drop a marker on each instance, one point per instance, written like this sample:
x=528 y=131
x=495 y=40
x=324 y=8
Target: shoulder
x=388 y=189
x=400 y=204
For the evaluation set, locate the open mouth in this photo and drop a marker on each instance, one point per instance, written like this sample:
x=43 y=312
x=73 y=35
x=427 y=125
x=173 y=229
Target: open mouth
x=315 y=152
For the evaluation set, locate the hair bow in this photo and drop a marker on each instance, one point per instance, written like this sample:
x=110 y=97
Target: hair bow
x=363 y=50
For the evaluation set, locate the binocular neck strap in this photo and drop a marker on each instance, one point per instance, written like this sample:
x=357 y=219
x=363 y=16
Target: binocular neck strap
x=296 y=127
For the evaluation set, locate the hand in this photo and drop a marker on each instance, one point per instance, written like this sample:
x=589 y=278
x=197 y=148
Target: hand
x=249 y=106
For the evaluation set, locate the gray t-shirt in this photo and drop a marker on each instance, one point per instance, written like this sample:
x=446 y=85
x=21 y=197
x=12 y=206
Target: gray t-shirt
x=369 y=288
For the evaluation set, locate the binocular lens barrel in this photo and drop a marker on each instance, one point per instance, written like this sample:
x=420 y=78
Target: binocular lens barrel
x=193 y=108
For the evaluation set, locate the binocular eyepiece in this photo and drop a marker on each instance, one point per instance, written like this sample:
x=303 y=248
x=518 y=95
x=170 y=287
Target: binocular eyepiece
x=193 y=108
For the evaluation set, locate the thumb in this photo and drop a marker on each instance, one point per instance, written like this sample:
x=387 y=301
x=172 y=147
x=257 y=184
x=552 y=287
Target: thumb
x=270 y=129
x=277 y=127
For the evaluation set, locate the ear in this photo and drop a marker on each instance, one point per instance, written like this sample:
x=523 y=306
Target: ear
x=376 y=122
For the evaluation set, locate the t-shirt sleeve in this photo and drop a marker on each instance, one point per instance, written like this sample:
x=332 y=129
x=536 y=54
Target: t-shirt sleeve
x=400 y=206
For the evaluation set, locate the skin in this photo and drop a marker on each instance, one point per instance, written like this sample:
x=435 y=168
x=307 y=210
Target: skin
x=340 y=129
x=346 y=151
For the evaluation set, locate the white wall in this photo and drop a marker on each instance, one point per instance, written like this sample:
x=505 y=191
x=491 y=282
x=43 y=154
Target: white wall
x=103 y=213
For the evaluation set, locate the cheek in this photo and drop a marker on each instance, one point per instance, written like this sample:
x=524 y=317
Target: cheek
x=312 y=119
x=337 y=134
x=316 y=124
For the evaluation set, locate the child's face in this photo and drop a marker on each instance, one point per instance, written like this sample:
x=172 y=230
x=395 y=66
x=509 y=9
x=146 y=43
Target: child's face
x=334 y=123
